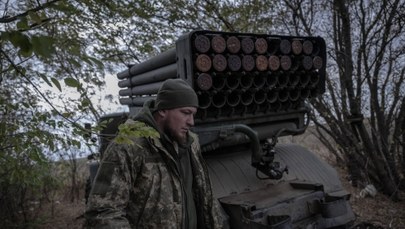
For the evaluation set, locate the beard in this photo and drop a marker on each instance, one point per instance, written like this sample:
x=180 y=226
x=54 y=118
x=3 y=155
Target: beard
x=180 y=138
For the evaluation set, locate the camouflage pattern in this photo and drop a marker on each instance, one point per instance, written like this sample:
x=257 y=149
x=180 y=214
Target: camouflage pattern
x=138 y=186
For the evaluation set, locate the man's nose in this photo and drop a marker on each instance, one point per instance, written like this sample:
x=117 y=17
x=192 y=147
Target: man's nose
x=190 y=120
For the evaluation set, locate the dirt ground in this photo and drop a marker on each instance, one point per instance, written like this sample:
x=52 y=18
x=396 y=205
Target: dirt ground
x=376 y=212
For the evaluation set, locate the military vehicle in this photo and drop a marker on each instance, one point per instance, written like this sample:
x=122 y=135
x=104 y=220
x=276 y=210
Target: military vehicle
x=252 y=89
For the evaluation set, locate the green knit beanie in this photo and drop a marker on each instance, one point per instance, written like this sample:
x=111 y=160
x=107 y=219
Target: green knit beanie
x=175 y=93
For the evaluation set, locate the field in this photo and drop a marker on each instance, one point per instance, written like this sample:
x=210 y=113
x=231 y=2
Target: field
x=371 y=212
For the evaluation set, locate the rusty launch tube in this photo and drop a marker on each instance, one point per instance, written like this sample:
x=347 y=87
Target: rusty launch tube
x=232 y=82
x=233 y=44
x=317 y=62
x=272 y=96
x=261 y=63
x=246 y=81
x=163 y=59
x=219 y=62
x=248 y=63
x=204 y=99
x=294 y=95
x=259 y=97
x=204 y=81
x=282 y=81
x=219 y=100
x=272 y=80
x=274 y=63
x=296 y=46
x=307 y=47
x=293 y=80
x=285 y=63
x=304 y=79
x=307 y=63
x=218 y=83
x=202 y=43
x=259 y=81
x=203 y=63
x=248 y=45
x=233 y=99
x=246 y=98
x=261 y=45
x=218 y=44
x=285 y=46
x=274 y=44
x=283 y=96
x=234 y=63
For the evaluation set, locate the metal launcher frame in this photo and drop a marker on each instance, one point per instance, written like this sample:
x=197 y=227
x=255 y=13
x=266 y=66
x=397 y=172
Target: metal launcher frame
x=259 y=80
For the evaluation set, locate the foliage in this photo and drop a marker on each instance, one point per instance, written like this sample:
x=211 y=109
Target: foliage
x=52 y=49
x=134 y=129
x=364 y=104
x=43 y=43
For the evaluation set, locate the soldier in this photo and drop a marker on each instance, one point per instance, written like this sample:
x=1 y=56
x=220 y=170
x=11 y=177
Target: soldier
x=157 y=181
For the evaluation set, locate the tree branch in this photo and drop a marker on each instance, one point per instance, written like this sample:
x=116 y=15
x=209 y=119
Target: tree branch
x=7 y=19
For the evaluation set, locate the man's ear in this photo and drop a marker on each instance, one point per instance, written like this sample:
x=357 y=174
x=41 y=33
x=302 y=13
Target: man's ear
x=162 y=113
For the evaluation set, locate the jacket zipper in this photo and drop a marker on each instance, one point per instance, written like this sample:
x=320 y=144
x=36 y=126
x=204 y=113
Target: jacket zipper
x=176 y=169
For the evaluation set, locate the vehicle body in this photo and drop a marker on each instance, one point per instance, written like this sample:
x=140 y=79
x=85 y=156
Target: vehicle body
x=252 y=88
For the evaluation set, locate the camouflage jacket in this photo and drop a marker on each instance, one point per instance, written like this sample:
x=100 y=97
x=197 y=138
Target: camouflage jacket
x=137 y=186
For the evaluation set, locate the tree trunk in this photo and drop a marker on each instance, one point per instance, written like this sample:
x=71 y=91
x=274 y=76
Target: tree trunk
x=344 y=58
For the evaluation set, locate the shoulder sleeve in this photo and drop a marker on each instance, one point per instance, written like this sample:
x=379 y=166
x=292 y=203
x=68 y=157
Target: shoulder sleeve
x=111 y=188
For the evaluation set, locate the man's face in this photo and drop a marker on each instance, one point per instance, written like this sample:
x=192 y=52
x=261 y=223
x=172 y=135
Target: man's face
x=177 y=123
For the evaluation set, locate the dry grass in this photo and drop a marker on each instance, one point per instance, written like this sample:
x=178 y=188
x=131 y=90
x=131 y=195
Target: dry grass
x=378 y=211
x=66 y=216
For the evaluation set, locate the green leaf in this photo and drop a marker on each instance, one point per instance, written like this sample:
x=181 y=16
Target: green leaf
x=76 y=143
x=74 y=62
x=5 y=36
x=52 y=123
x=67 y=114
x=75 y=49
x=23 y=24
x=22 y=41
x=43 y=76
x=86 y=59
x=85 y=102
x=57 y=84
x=43 y=46
x=35 y=17
x=72 y=82
x=97 y=62
x=26 y=105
